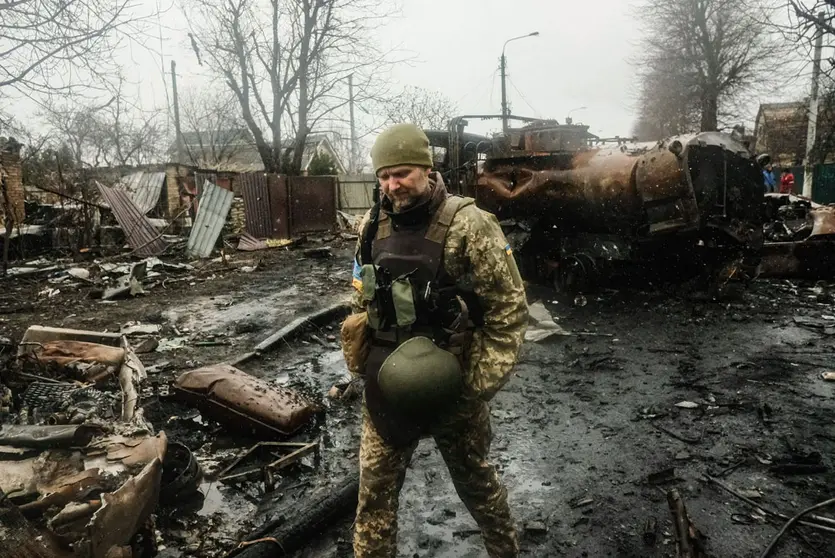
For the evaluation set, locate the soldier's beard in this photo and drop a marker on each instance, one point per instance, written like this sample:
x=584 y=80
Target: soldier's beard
x=404 y=202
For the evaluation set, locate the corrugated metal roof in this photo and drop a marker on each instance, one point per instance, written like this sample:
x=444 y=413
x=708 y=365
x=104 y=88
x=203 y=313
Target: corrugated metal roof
x=141 y=235
x=144 y=188
x=215 y=204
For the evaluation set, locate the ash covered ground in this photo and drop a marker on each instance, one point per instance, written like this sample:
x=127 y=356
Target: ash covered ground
x=649 y=391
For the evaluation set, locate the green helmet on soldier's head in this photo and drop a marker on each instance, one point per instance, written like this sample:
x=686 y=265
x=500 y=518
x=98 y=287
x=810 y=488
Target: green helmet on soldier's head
x=420 y=378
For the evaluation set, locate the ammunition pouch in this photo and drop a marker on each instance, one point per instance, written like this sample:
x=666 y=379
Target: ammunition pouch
x=356 y=342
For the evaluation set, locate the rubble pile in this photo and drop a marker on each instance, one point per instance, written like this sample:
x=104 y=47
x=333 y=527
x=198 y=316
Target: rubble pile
x=83 y=472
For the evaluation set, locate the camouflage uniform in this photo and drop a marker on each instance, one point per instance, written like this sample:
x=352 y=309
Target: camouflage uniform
x=478 y=257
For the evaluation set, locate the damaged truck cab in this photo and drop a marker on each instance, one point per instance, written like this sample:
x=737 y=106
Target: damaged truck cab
x=580 y=210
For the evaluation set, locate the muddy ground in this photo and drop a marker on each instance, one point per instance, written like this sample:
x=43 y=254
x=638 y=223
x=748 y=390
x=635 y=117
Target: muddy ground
x=578 y=431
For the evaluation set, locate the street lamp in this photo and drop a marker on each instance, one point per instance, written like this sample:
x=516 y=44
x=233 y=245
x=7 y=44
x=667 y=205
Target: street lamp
x=505 y=109
x=568 y=116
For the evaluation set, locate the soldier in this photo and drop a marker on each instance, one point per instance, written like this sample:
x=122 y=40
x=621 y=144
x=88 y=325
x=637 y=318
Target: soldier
x=443 y=307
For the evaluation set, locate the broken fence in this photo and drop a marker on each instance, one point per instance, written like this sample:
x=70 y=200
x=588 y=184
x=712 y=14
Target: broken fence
x=278 y=206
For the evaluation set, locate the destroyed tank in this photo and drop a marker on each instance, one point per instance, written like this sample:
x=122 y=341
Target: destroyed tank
x=579 y=209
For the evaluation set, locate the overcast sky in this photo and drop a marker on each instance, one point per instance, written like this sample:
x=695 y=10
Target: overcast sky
x=582 y=58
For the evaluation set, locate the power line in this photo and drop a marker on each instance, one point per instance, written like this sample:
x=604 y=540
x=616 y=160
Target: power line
x=535 y=112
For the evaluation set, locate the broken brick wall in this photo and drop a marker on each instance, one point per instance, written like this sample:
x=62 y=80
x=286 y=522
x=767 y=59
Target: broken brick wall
x=175 y=176
x=12 y=170
x=237 y=216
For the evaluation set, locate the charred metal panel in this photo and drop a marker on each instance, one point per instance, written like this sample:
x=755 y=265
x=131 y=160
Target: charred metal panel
x=140 y=234
x=668 y=199
x=256 y=204
x=800 y=238
x=589 y=191
x=312 y=203
x=211 y=216
x=243 y=401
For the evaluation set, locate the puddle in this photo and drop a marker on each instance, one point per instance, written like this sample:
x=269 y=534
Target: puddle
x=218 y=498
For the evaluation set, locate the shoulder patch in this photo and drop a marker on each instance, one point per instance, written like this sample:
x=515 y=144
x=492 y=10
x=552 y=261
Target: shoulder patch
x=356 y=276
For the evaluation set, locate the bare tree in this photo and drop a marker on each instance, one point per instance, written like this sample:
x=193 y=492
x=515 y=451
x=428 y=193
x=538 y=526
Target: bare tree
x=287 y=63
x=712 y=50
x=126 y=135
x=54 y=45
x=804 y=20
x=116 y=133
x=427 y=108
x=214 y=131
x=666 y=107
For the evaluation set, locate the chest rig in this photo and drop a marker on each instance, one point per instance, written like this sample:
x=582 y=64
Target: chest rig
x=408 y=294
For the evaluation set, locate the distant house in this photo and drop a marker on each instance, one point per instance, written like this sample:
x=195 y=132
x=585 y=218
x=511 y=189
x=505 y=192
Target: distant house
x=780 y=131
x=234 y=150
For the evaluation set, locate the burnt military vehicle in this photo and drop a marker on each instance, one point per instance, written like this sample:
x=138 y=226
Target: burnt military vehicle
x=579 y=209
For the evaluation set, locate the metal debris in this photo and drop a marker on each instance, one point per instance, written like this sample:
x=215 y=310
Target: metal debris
x=249 y=243
x=140 y=234
x=144 y=188
x=239 y=400
x=215 y=203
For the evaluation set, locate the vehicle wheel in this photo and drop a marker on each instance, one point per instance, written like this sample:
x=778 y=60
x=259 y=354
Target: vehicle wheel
x=577 y=274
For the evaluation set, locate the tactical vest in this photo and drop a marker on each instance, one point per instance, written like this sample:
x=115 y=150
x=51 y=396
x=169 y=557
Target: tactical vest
x=409 y=294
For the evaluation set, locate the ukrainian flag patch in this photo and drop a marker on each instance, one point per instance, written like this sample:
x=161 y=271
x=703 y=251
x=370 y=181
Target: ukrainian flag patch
x=507 y=250
x=356 y=278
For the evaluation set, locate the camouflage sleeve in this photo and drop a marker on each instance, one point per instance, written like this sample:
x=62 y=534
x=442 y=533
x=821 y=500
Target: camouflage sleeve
x=357 y=302
x=478 y=256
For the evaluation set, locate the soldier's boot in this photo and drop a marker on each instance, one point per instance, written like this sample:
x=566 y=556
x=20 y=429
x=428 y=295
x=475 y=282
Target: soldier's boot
x=382 y=471
x=464 y=444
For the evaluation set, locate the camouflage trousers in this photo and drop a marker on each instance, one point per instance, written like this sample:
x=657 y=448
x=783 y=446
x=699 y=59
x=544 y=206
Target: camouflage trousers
x=464 y=441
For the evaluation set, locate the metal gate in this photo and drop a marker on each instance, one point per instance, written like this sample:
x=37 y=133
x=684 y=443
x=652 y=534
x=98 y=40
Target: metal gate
x=277 y=206
x=312 y=203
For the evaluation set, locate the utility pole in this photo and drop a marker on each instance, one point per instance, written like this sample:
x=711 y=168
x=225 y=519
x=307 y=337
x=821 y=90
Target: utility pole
x=505 y=109
x=353 y=165
x=177 y=114
x=812 y=126
x=503 y=68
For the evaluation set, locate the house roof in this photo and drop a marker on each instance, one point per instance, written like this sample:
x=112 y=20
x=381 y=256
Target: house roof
x=780 y=131
x=245 y=157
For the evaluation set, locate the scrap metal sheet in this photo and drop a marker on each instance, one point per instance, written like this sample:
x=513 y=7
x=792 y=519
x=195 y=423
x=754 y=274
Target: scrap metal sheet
x=144 y=189
x=141 y=235
x=215 y=204
x=256 y=204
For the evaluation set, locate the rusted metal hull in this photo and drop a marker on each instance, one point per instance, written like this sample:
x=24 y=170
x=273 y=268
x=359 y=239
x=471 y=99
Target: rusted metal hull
x=640 y=189
x=665 y=203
